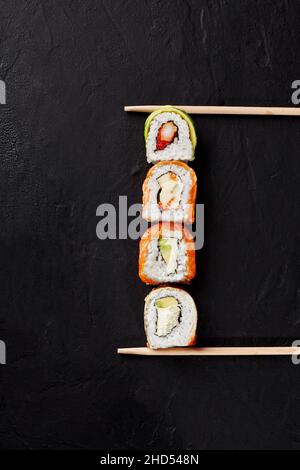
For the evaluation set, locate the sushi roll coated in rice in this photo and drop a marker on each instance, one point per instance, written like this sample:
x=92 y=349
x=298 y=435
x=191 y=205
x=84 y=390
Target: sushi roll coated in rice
x=170 y=135
x=169 y=193
x=170 y=318
x=167 y=254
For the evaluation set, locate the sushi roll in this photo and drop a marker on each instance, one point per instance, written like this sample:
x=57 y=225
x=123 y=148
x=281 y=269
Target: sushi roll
x=170 y=135
x=170 y=318
x=167 y=254
x=169 y=193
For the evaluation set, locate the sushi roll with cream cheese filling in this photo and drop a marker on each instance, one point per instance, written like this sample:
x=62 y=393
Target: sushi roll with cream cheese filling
x=169 y=193
x=167 y=254
x=170 y=318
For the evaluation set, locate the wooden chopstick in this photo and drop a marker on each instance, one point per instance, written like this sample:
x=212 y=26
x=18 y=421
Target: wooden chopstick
x=214 y=351
x=241 y=110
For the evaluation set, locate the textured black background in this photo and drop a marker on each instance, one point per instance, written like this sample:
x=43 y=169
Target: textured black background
x=68 y=300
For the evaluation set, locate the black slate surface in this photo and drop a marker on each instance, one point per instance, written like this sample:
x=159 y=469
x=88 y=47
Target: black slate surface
x=68 y=300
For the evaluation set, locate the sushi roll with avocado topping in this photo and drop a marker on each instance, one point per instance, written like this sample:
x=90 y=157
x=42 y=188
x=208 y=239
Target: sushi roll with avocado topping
x=169 y=193
x=170 y=318
x=167 y=254
x=170 y=135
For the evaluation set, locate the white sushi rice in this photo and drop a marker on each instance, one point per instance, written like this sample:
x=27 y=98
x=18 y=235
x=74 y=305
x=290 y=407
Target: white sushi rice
x=186 y=328
x=180 y=149
x=156 y=267
x=151 y=210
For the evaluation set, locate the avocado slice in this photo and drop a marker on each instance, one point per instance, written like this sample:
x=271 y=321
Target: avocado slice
x=166 y=302
x=168 y=312
x=169 y=251
x=181 y=113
